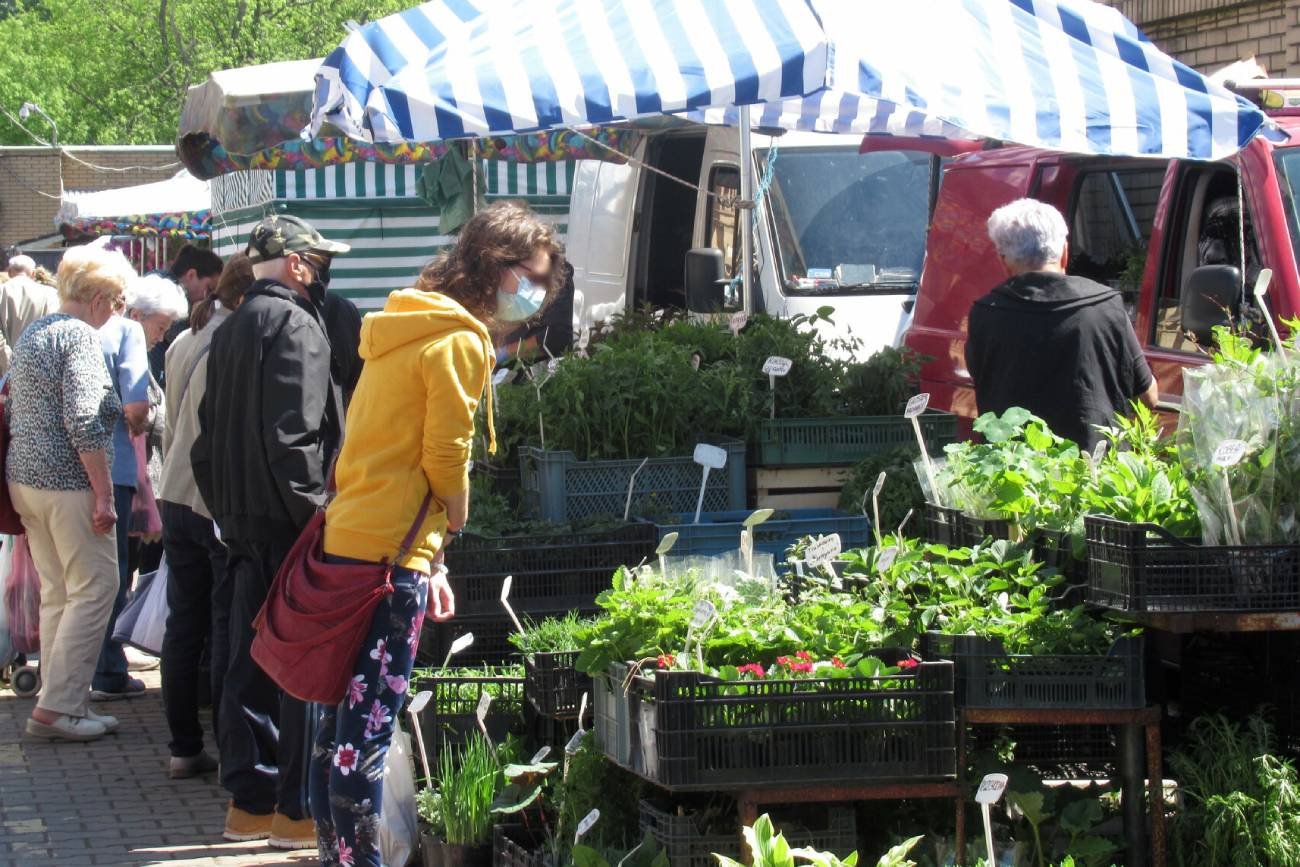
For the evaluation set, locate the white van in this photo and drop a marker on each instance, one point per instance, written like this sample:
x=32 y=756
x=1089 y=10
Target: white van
x=837 y=228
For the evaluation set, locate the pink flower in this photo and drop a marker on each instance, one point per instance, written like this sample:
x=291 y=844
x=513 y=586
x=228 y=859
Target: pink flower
x=397 y=683
x=346 y=758
x=356 y=690
x=381 y=654
x=752 y=668
x=837 y=662
x=666 y=660
x=345 y=854
x=783 y=660
x=802 y=667
x=804 y=655
x=377 y=718
x=908 y=664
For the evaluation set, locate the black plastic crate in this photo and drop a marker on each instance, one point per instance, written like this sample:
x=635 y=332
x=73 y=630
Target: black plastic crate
x=988 y=676
x=1143 y=567
x=450 y=716
x=550 y=572
x=513 y=846
x=703 y=732
x=1054 y=548
x=553 y=686
x=612 y=712
x=827 y=828
x=954 y=528
x=1058 y=751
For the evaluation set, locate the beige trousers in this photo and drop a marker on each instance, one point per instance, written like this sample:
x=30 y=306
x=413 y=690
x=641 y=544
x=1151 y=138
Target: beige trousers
x=78 y=569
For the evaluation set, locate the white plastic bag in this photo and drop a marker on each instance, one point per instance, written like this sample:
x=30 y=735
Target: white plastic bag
x=399 y=830
x=7 y=653
x=143 y=621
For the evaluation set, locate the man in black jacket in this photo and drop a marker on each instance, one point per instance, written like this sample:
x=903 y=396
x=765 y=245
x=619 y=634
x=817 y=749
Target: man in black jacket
x=269 y=426
x=1059 y=346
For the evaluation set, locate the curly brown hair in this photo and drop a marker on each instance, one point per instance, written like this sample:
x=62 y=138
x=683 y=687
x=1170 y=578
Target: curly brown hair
x=236 y=279
x=495 y=239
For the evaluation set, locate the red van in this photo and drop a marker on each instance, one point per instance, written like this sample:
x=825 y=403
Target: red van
x=1143 y=226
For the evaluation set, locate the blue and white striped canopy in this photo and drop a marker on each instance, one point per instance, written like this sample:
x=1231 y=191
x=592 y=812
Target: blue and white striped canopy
x=1068 y=75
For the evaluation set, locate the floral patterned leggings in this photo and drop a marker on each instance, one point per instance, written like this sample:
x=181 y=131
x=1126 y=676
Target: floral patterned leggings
x=352 y=738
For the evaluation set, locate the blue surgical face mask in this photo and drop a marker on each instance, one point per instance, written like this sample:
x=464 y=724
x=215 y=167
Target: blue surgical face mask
x=521 y=304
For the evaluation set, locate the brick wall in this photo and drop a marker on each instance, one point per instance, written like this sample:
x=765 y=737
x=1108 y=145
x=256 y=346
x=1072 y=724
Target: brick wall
x=1209 y=34
x=28 y=172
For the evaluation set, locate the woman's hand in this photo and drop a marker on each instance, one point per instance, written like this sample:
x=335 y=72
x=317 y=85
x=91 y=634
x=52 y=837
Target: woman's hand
x=104 y=518
x=442 y=603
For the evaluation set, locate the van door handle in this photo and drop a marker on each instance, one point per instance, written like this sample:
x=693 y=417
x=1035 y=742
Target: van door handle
x=1170 y=403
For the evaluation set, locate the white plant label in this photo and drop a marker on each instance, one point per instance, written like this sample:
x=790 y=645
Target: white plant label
x=582 y=709
x=991 y=789
x=1229 y=453
x=666 y=543
x=777 y=366
x=484 y=702
x=1099 y=452
x=461 y=643
x=703 y=614
x=695 y=360
x=418 y=703
x=886 y=558
x=571 y=748
x=584 y=338
x=738 y=321
x=500 y=376
x=880 y=486
x=916 y=405
x=710 y=456
x=588 y=822
x=759 y=516
x=505 y=587
x=553 y=365
x=824 y=550
x=540 y=755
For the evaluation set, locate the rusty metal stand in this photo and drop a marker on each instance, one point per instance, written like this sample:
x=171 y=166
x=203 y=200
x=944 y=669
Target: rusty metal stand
x=1131 y=723
x=748 y=801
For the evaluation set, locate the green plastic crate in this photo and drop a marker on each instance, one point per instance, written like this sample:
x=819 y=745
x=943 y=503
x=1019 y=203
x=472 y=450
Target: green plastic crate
x=819 y=442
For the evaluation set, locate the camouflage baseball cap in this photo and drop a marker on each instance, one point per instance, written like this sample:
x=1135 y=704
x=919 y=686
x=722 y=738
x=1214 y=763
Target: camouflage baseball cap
x=282 y=234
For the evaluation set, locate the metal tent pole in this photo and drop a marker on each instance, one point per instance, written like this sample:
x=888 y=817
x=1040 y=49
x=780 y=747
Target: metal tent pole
x=746 y=215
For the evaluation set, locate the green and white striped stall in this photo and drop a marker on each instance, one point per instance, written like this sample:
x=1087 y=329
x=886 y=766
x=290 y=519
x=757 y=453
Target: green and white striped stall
x=375 y=208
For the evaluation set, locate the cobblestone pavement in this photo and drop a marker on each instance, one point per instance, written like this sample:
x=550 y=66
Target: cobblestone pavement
x=110 y=801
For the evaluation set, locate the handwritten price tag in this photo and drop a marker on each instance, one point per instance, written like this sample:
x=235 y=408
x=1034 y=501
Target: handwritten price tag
x=703 y=614
x=916 y=405
x=777 y=366
x=738 y=321
x=1229 y=453
x=825 y=549
x=991 y=789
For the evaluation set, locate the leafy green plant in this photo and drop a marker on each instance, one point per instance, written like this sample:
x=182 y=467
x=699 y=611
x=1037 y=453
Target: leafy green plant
x=901 y=494
x=467 y=782
x=1241 y=800
x=551 y=634
x=1140 y=478
x=883 y=383
x=770 y=849
x=461 y=687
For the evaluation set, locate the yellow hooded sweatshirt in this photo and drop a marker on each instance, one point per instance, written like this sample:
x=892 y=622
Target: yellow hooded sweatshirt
x=409 y=427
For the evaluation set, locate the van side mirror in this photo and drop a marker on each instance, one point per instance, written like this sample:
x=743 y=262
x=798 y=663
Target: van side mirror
x=705 y=280
x=1209 y=298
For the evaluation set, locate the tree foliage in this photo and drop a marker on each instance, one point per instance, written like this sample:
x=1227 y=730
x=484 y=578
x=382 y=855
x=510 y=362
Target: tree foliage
x=117 y=71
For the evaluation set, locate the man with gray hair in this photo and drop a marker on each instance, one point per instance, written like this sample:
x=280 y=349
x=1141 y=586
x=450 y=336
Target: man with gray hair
x=1060 y=346
x=21 y=265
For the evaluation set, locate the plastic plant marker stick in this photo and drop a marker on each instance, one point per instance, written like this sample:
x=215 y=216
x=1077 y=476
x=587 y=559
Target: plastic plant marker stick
x=505 y=603
x=775 y=366
x=875 y=505
x=575 y=742
x=418 y=704
x=903 y=523
x=1261 y=289
x=631 y=486
x=587 y=823
x=582 y=709
x=540 y=755
x=737 y=322
x=480 y=713
x=988 y=794
x=457 y=646
x=747 y=549
x=1228 y=454
x=711 y=458
x=915 y=406
x=758 y=516
x=665 y=545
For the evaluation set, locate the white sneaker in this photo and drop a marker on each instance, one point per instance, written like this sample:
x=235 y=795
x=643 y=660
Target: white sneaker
x=110 y=723
x=67 y=728
x=138 y=660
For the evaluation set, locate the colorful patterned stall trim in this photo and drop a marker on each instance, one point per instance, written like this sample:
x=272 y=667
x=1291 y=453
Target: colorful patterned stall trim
x=206 y=158
x=191 y=226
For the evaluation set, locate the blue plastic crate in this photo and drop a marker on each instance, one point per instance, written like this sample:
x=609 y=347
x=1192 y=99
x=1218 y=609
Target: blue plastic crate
x=556 y=486
x=719 y=532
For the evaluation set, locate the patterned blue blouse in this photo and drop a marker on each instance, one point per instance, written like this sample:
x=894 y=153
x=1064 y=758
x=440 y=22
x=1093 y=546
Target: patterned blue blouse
x=61 y=402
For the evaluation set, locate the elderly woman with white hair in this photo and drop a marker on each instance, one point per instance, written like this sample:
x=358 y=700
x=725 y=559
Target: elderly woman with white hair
x=1060 y=346
x=62 y=409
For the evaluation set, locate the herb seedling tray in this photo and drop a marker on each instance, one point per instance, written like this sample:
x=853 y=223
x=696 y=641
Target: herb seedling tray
x=701 y=732
x=800 y=442
x=988 y=676
x=827 y=828
x=450 y=719
x=556 y=486
x=550 y=572
x=553 y=686
x=1143 y=567
x=719 y=532
x=491 y=636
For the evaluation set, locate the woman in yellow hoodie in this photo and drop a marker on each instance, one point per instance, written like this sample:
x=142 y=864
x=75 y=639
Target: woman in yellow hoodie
x=405 y=466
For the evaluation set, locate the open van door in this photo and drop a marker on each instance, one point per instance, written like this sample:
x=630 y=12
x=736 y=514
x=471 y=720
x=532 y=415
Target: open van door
x=600 y=230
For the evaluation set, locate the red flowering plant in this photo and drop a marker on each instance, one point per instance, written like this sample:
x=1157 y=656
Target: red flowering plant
x=803 y=666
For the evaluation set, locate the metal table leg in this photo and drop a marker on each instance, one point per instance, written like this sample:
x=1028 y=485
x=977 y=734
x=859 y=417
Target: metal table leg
x=1156 y=798
x=1132 y=771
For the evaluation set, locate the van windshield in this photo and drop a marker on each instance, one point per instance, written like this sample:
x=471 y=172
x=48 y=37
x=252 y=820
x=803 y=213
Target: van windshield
x=1288 y=169
x=849 y=223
